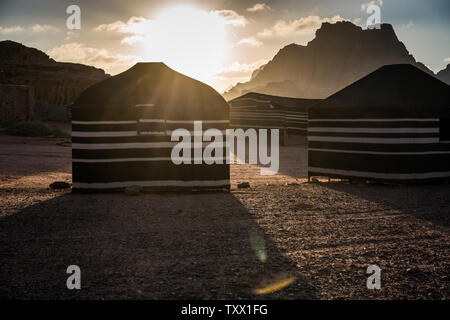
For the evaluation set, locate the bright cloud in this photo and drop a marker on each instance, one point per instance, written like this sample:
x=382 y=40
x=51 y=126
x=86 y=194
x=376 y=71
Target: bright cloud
x=37 y=28
x=251 y=41
x=258 y=7
x=231 y=17
x=9 y=30
x=447 y=59
x=305 y=25
x=101 y=58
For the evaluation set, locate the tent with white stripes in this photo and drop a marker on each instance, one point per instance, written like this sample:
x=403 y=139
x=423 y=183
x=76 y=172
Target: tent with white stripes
x=262 y=111
x=121 y=131
x=392 y=125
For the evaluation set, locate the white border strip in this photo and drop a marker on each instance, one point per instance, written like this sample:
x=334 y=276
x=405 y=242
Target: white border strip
x=380 y=175
x=162 y=183
x=99 y=134
x=137 y=145
x=373 y=140
x=143 y=160
x=376 y=120
x=379 y=152
x=192 y=121
x=374 y=130
x=105 y=122
x=251 y=99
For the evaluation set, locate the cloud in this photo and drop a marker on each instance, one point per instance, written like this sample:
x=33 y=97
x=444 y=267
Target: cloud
x=138 y=29
x=305 y=25
x=447 y=59
x=409 y=25
x=364 y=6
x=9 y=30
x=101 y=58
x=251 y=41
x=71 y=35
x=259 y=7
x=37 y=28
x=134 y=25
x=240 y=70
x=231 y=17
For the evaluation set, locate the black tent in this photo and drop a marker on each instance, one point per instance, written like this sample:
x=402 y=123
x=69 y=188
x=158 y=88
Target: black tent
x=121 y=131
x=391 y=125
x=257 y=110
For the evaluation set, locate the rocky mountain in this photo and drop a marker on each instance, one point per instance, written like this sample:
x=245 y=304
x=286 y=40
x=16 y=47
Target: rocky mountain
x=444 y=75
x=340 y=54
x=53 y=83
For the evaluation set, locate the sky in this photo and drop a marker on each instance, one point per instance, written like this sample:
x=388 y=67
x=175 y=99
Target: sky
x=219 y=42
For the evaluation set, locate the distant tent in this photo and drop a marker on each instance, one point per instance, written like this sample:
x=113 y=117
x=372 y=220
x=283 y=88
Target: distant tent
x=391 y=125
x=121 y=131
x=256 y=110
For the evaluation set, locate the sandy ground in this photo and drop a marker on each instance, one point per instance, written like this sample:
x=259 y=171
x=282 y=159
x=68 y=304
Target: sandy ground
x=283 y=238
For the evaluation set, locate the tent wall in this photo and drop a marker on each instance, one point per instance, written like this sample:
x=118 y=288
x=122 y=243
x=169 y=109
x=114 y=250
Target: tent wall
x=266 y=112
x=375 y=147
x=131 y=147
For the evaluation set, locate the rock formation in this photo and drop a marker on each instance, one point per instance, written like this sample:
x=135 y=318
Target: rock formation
x=54 y=83
x=340 y=54
x=444 y=75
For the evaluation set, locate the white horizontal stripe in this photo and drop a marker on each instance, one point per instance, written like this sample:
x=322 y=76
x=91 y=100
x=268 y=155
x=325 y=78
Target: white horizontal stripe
x=135 y=145
x=376 y=120
x=237 y=126
x=104 y=122
x=380 y=152
x=252 y=99
x=152 y=133
x=152 y=120
x=99 y=134
x=261 y=115
x=374 y=130
x=147 y=121
x=163 y=183
x=140 y=159
x=192 y=121
x=94 y=134
x=374 y=140
x=380 y=175
x=145 y=105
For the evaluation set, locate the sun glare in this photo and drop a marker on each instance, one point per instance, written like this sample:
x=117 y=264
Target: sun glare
x=189 y=40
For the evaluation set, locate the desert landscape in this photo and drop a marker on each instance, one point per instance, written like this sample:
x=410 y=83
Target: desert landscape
x=314 y=240
x=115 y=126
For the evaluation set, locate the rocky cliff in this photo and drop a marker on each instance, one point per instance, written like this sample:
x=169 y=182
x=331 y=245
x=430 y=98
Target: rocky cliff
x=340 y=54
x=54 y=83
x=444 y=75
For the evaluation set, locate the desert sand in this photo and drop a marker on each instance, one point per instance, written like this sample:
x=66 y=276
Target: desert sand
x=316 y=238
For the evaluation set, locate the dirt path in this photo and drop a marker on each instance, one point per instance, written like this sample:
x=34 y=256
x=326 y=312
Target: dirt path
x=317 y=239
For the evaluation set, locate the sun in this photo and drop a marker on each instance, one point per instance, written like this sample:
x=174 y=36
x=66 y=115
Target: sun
x=189 y=40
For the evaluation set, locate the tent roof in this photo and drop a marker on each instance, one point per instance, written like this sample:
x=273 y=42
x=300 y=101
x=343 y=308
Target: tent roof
x=399 y=85
x=278 y=101
x=152 y=83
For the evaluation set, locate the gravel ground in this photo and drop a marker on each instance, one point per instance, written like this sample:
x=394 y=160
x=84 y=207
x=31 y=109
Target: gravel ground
x=281 y=239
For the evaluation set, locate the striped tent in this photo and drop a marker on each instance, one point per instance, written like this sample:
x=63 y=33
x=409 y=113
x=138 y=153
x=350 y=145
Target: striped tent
x=121 y=131
x=392 y=125
x=256 y=110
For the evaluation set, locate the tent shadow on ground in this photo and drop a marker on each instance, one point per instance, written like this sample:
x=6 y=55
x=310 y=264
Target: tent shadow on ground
x=428 y=202
x=171 y=246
